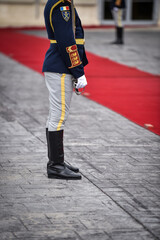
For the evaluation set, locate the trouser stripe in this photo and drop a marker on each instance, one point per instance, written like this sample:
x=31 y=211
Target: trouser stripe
x=119 y=20
x=62 y=102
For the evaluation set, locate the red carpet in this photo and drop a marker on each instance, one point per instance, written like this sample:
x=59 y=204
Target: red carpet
x=128 y=91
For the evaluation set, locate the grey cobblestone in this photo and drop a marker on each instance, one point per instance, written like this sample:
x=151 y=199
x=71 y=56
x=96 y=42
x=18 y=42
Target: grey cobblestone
x=118 y=197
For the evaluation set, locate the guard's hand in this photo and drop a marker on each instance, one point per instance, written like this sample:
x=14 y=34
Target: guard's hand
x=81 y=82
x=115 y=9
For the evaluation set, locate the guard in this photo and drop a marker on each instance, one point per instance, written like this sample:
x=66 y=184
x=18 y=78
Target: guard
x=63 y=65
x=117 y=8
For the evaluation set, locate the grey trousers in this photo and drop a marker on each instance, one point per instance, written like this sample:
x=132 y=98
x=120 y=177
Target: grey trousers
x=118 y=17
x=60 y=87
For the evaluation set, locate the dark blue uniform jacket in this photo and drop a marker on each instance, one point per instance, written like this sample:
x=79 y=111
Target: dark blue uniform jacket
x=113 y=4
x=66 y=53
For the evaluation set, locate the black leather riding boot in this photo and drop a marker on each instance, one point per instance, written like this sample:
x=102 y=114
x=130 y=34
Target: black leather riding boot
x=74 y=169
x=119 y=36
x=56 y=168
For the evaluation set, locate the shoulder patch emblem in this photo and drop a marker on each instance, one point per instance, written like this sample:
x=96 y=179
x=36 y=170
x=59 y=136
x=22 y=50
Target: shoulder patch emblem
x=65 y=12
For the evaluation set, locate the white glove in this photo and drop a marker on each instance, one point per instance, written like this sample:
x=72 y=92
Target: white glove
x=81 y=82
x=115 y=9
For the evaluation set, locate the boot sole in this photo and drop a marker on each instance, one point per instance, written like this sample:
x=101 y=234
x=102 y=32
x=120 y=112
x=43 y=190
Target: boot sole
x=76 y=171
x=64 y=178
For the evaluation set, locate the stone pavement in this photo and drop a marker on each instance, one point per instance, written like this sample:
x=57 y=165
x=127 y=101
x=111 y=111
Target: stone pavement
x=118 y=197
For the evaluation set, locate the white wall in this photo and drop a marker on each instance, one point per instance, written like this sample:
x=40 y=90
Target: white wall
x=88 y=11
x=19 y=13
x=15 y=13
